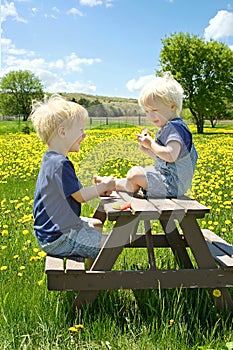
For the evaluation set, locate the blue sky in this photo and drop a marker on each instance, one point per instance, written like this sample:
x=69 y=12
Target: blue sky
x=102 y=47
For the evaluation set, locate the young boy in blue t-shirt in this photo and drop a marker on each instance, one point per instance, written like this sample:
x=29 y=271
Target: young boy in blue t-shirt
x=58 y=196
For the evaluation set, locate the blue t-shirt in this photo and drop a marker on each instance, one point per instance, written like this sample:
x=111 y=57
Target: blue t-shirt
x=55 y=210
x=177 y=175
x=176 y=130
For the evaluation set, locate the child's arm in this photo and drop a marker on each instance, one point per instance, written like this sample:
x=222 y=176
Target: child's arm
x=169 y=153
x=108 y=184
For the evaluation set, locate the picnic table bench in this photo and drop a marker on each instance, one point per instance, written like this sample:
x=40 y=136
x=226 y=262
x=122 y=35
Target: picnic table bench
x=204 y=259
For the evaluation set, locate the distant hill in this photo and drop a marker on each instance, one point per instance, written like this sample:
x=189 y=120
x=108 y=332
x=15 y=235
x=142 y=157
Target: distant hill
x=104 y=106
x=102 y=99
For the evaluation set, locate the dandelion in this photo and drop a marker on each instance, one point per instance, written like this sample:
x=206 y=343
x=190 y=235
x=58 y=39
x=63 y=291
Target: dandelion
x=42 y=254
x=33 y=258
x=16 y=256
x=19 y=274
x=76 y=328
x=25 y=232
x=4 y=247
x=73 y=329
x=171 y=322
x=217 y=293
x=22 y=267
x=4 y=233
x=3 y=268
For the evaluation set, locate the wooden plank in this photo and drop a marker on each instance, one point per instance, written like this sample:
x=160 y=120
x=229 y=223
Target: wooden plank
x=177 y=242
x=166 y=205
x=139 y=241
x=142 y=206
x=125 y=227
x=192 y=206
x=218 y=242
x=74 y=265
x=54 y=265
x=222 y=258
x=196 y=241
x=94 y=281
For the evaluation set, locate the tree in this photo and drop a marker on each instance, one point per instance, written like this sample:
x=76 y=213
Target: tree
x=205 y=71
x=17 y=90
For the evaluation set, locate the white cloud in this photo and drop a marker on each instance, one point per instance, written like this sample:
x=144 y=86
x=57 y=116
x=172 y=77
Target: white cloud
x=53 y=74
x=135 y=85
x=9 y=10
x=74 y=11
x=54 y=83
x=8 y=47
x=220 y=26
x=91 y=3
x=109 y=3
x=74 y=63
x=35 y=11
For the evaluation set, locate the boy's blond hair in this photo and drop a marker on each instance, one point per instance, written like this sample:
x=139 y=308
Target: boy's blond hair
x=49 y=114
x=166 y=88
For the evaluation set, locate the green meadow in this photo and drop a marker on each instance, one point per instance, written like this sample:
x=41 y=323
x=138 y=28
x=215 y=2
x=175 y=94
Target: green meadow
x=33 y=318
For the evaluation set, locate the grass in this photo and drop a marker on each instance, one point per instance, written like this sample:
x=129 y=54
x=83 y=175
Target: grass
x=33 y=318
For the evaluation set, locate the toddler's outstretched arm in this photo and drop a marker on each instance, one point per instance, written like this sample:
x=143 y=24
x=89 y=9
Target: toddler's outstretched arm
x=104 y=187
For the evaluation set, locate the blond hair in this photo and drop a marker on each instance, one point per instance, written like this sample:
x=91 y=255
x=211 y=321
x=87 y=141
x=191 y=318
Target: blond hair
x=166 y=88
x=49 y=114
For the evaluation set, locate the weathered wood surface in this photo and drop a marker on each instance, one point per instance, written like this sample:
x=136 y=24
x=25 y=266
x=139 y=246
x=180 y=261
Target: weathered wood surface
x=178 y=218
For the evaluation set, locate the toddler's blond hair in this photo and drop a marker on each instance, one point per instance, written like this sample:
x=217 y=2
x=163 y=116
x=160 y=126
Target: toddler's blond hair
x=49 y=114
x=165 y=87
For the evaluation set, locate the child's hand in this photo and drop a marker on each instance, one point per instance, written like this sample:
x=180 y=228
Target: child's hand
x=109 y=183
x=144 y=139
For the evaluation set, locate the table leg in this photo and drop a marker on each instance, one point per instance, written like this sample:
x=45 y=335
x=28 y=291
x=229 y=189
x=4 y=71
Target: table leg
x=125 y=227
x=149 y=243
x=204 y=259
x=177 y=245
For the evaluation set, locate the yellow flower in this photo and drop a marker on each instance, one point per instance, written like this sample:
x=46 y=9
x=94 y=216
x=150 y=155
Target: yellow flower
x=3 y=268
x=25 y=232
x=73 y=329
x=42 y=254
x=16 y=256
x=217 y=293
x=4 y=247
x=33 y=258
x=4 y=233
x=171 y=322
x=40 y=282
x=22 y=267
x=76 y=328
x=19 y=274
x=79 y=326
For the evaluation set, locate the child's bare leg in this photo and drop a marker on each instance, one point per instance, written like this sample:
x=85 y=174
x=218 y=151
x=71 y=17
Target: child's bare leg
x=135 y=179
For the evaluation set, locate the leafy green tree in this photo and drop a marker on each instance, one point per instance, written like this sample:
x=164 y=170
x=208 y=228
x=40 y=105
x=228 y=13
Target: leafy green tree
x=205 y=71
x=17 y=90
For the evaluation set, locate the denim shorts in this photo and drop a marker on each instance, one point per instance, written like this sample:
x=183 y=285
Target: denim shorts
x=84 y=243
x=157 y=185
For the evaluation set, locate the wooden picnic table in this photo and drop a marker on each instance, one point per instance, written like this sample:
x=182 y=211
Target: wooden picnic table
x=208 y=263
